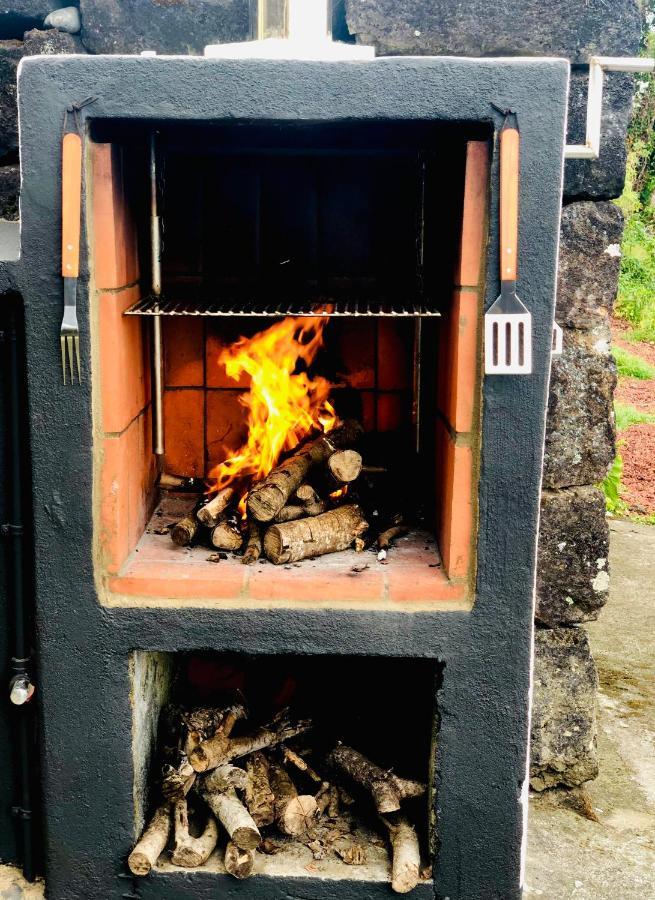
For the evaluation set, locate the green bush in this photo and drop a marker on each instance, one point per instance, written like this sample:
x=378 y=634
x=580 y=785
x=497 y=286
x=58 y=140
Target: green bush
x=632 y=366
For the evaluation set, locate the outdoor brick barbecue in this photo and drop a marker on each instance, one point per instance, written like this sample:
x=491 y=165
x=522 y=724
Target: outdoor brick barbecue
x=438 y=639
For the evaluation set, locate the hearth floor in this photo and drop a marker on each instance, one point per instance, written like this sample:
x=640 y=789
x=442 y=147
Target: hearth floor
x=159 y=572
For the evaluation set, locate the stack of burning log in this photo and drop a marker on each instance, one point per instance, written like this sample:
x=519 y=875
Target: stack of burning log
x=260 y=788
x=298 y=511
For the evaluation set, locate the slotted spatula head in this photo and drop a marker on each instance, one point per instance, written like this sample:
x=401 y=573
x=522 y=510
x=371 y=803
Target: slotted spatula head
x=508 y=323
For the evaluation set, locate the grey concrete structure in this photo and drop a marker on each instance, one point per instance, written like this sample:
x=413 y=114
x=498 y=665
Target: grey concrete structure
x=84 y=648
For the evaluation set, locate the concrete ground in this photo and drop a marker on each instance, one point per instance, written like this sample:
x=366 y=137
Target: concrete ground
x=569 y=855
x=614 y=858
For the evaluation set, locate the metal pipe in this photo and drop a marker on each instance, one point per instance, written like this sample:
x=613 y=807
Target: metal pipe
x=157 y=351
x=418 y=322
x=21 y=688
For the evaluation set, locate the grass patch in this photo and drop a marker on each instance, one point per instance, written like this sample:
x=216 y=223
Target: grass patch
x=632 y=366
x=611 y=487
x=627 y=415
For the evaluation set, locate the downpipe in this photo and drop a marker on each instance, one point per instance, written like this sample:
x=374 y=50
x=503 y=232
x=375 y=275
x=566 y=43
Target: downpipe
x=21 y=687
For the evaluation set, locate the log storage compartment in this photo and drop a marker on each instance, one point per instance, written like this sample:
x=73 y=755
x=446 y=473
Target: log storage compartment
x=359 y=249
x=271 y=766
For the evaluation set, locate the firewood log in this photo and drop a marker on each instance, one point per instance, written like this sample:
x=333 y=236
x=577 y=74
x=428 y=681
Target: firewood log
x=345 y=466
x=290 y=512
x=212 y=512
x=310 y=501
x=184 y=531
x=216 y=751
x=306 y=538
x=268 y=497
x=296 y=760
x=386 y=789
x=218 y=791
x=294 y=813
x=185 y=729
x=406 y=856
x=238 y=862
x=254 y=546
x=226 y=536
x=190 y=852
x=151 y=843
x=259 y=796
x=386 y=537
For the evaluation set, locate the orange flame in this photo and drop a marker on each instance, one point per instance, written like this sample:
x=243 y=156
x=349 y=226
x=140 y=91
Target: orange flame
x=283 y=405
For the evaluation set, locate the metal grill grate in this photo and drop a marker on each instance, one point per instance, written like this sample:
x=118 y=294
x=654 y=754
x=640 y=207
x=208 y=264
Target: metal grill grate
x=165 y=306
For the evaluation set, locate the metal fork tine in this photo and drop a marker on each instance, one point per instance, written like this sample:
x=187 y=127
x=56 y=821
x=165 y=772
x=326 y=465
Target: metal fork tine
x=62 y=340
x=77 y=357
x=69 y=345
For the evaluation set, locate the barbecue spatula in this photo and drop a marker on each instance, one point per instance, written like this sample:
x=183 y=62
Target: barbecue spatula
x=508 y=324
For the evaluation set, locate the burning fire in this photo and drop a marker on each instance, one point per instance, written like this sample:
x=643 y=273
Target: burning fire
x=283 y=404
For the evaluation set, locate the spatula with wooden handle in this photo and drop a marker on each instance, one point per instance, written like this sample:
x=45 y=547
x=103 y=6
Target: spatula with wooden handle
x=508 y=324
x=71 y=206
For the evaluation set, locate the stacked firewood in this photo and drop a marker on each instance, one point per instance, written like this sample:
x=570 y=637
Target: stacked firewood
x=299 y=511
x=253 y=787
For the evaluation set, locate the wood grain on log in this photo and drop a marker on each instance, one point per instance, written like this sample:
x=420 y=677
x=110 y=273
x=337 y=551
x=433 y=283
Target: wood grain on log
x=294 y=813
x=306 y=538
x=222 y=799
x=216 y=751
x=213 y=512
x=406 y=856
x=268 y=497
x=290 y=512
x=189 y=851
x=345 y=466
x=386 y=789
x=254 y=546
x=310 y=501
x=238 y=862
x=184 y=531
x=226 y=537
x=151 y=843
x=259 y=796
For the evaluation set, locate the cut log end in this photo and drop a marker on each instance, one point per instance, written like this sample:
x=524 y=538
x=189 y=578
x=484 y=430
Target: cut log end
x=226 y=537
x=152 y=842
x=238 y=862
x=345 y=466
x=212 y=512
x=299 y=815
x=184 y=531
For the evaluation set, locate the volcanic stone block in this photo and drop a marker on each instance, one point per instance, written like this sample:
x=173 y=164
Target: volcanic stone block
x=9 y=190
x=589 y=262
x=572 y=568
x=602 y=178
x=51 y=42
x=167 y=26
x=576 y=29
x=580 y=433
x=10 y=55
x=11 y=52
x=563 y=731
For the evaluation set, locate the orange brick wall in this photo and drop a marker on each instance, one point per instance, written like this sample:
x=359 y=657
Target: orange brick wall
x=123 y=423
x=459 y=377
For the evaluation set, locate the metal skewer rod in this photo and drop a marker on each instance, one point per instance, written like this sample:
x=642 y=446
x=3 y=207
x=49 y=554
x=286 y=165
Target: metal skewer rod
x=157 y=346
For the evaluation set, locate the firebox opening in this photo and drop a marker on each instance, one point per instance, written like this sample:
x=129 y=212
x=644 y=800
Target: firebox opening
x=347 y=700
x=383 y=225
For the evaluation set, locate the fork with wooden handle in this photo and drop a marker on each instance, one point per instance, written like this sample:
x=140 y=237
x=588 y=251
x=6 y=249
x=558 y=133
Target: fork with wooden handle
x=71 y=204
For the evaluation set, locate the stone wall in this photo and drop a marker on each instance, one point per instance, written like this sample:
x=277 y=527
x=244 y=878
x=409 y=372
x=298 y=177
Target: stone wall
x=573 y=572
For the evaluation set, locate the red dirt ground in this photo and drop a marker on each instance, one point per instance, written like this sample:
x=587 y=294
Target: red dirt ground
x=638 y=441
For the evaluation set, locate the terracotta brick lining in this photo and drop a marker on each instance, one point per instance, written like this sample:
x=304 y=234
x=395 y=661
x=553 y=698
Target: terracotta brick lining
x=204 y=419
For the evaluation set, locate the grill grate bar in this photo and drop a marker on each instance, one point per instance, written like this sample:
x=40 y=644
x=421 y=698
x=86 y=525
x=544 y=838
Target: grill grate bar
x=153 y=306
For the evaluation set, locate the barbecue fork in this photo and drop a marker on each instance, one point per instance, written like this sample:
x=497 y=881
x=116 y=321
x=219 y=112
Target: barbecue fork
x=71 y=204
